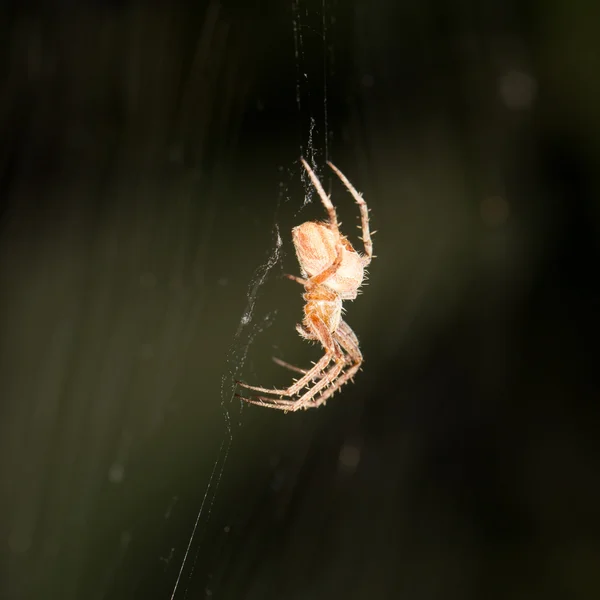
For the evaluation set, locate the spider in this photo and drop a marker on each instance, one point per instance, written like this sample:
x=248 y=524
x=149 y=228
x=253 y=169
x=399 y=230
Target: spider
x=332 y=271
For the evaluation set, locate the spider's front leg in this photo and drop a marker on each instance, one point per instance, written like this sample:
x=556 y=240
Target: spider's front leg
x=364 y=214
x=325 y=199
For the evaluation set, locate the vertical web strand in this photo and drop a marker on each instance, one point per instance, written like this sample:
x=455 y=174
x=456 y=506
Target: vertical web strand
x=325 y=124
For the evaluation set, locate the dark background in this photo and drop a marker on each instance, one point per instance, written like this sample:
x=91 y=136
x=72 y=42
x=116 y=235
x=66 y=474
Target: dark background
x=149 y=160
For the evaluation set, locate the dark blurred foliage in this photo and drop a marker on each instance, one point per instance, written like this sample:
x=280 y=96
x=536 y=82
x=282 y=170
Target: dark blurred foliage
x=149 y=159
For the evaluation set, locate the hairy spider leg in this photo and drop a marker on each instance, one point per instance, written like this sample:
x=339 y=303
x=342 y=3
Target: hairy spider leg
x=364 y=214
x=347 y=341
x=289 y=366
x=325 y=199
x=318 y=331
x=305 y=401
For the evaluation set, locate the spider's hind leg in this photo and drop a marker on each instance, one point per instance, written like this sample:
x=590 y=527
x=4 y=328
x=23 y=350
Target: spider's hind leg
x=287 y=365
x=278 y=404
x=296 y=279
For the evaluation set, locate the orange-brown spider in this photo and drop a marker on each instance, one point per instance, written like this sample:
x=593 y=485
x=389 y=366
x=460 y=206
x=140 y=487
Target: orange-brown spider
x=332 y=271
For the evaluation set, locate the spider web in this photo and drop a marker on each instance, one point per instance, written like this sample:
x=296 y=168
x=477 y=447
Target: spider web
x=250 y=326
x=247 y=330
x=113 y=311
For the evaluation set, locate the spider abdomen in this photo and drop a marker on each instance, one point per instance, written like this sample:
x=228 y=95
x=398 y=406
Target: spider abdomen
x=315 y=247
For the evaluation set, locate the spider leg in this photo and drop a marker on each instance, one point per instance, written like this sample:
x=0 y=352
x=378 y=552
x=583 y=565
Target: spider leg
x=306 y=400
x=296 y=279
x=349 y=342
x=344 y=378
x=291 y=367
x=328 y=379
x=299 y=370
x=320 y=332
x=333 y=351
x=364 y=214
x=346 y=341
x=325 y=199
x=309 y=376
x=268 y=402
x=282 y=363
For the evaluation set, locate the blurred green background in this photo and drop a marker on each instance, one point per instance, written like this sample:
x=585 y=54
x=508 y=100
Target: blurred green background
x=148 y=164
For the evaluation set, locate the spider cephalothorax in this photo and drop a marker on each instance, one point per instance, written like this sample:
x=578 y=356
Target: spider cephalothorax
x=332 y=271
